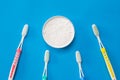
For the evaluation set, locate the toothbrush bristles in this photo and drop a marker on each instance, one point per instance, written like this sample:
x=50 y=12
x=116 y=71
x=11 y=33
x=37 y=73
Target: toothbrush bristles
x=25 y=30
x=78 y=57
x=46 y=57
x=95 y=30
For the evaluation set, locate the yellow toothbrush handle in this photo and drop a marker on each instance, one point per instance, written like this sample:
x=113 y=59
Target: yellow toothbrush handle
x=108 y=64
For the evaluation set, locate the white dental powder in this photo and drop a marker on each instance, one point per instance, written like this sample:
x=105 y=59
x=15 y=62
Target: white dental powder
x=58 y=32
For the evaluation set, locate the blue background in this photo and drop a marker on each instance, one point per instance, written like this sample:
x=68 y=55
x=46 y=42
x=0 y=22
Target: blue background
x=62 y=66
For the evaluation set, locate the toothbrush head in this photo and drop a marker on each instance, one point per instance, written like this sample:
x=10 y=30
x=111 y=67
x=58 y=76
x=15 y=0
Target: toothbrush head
x=95 y=30
x=78 y=57
x=46 y=57
x=25 y=30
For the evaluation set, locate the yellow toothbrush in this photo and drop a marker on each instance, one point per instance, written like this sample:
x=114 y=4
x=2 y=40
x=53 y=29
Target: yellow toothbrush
x=104 y=53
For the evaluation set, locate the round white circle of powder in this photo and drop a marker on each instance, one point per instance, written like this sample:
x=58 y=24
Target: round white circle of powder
x=58 y=32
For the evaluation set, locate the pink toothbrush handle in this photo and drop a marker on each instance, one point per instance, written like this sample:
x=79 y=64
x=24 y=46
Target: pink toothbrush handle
x=14 y=64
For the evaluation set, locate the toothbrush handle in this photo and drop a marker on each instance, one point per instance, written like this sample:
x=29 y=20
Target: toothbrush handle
x=14 y=64
x=44 y=78
x=108 y=64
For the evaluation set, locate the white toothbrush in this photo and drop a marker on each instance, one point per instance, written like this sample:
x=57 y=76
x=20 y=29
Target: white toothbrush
x=18 y=53
x=79 y=61
x=46 y=60
x=104 y=53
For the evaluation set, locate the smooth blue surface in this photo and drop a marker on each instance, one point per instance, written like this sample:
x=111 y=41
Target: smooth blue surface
x=62 y=66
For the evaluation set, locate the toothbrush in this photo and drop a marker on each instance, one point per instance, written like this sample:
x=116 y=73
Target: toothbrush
x=46 y=60
x=18 y=53
x=79 y=60
x=104 y=53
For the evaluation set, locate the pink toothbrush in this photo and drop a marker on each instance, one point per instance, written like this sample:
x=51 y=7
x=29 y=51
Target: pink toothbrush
x=18 y=53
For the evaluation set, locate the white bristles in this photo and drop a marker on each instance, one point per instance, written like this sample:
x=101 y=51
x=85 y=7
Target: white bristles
x=78 y=57
x=25 y=30
x=46 y=57
x=95 y=30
